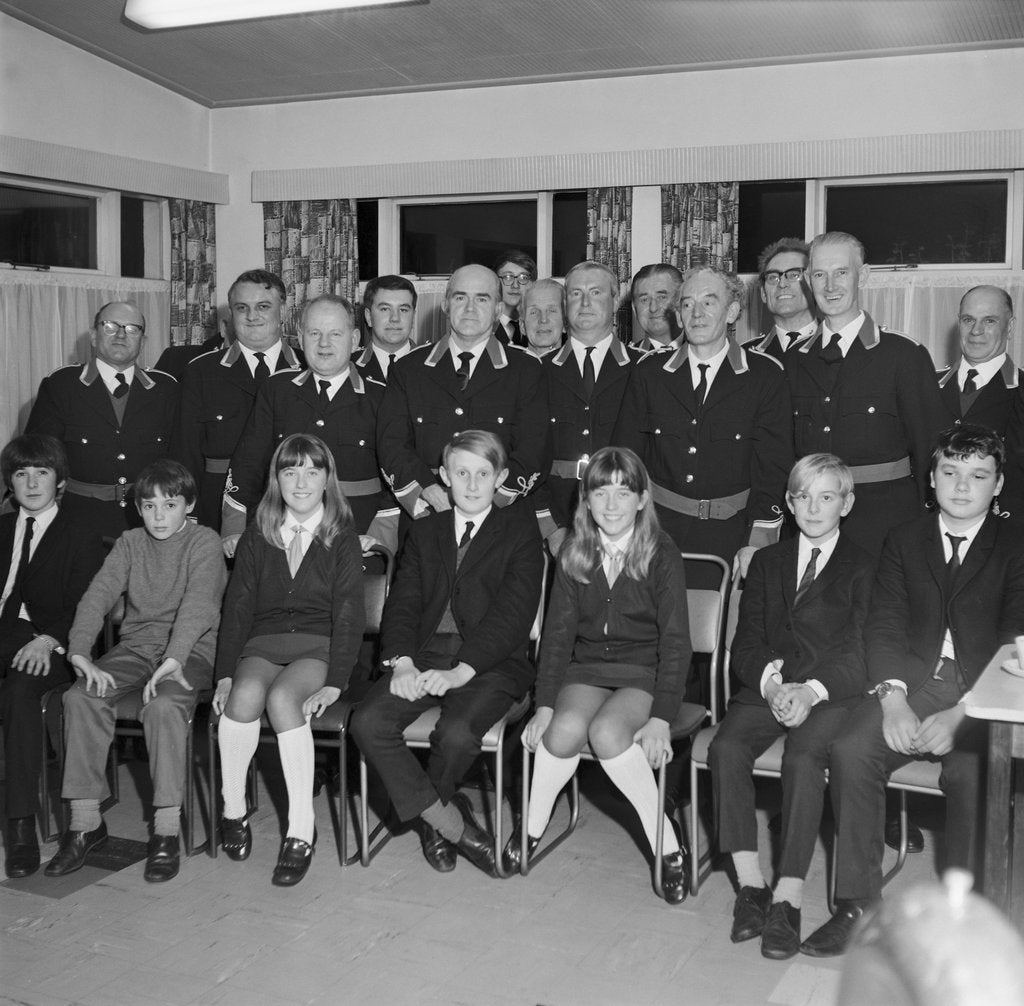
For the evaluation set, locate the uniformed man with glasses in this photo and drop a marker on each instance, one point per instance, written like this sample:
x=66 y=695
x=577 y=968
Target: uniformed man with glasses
x=517 y=272
x=781 y=273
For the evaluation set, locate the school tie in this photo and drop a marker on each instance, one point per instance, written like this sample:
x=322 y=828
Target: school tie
x=463 y=371
x=324 y=398
x=295 y=550
x=262 y=371
x=391 y=363
x=614 y=566
x=467 y=537
x=832 y=352
x=809 y=574
x=955 y=540
x=589 y=377
x=700 y=392
x=122 y=386
x=970 y=386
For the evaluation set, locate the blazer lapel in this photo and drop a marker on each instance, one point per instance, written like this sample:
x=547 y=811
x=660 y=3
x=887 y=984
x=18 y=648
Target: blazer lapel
x=481 y=544
x=977 y=556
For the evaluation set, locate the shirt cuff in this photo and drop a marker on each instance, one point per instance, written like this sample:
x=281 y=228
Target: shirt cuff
x=896 y=683
x=769 y=673
x=819 y=689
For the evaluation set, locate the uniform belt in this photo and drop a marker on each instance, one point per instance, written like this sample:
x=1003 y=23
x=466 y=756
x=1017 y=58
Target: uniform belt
x=108 y=494
x=570 y=469
x=364 y=487
x=717 y=509
x=885 y=472
x=218 y=466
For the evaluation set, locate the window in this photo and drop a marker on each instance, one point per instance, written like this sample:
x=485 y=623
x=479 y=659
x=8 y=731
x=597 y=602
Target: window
x=366 y=235
x=47 y=228
x=768 y=211
x=568 y=230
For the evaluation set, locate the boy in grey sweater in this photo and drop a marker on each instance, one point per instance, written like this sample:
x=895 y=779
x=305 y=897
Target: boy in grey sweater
x=172 y=574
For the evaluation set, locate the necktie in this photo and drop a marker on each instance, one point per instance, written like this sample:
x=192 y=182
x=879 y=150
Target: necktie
x=791 y=338
x=955 y=540
x=295 y=550
x=122 y=388
x=808 y=578
x=969 y=383
x=391 y=363
x=614 y=567
x=467 y=536
x=700 y=392
x=325 y=399
x=589 y=377
x=465 y=360
x=262 y=371
x=832 y=353
x=514 y=334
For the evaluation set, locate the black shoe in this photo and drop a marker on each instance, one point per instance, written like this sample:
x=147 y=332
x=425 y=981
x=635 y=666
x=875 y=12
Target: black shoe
x=74 y=847
x=833 y=937
x=475 y=844
x=749 y=913
x=915 y=840
x=163 y=857
x=293 y=861
x=781 y=937
x=236 y=837
x=512 y=854
x=673 y=878
x=22 y=855
x=437 y=850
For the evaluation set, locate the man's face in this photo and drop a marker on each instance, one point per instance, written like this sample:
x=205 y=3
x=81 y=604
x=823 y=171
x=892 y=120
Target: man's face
x=119 y=335
x=256 y=315
x=590 y=304
x=964 y=488
x=542 y=318
x=328 y=339
x=515 y=281
x=391 y=319
x=985 y=323
x=706 y=311
x=654 y=303
x=836 y=276
x=784 y=297
x=473 y=304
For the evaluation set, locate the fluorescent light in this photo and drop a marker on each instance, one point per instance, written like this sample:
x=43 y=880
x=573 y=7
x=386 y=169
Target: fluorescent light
x=180 y=13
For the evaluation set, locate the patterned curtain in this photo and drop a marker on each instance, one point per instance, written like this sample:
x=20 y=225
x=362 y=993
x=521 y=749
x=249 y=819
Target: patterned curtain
x=193 y=272
x=610 y=238
x=699 y=224
x=312 y=246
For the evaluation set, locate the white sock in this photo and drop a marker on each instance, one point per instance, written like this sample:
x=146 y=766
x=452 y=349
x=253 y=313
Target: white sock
x=550 y=774
x=237 y=743
x=85 y=815
x=748 y=869
x=789 y=889
x=296 y=748
x=166 y=820
x=631 y=772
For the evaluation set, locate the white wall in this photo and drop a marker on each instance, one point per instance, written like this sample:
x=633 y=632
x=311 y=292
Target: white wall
x=949 y=92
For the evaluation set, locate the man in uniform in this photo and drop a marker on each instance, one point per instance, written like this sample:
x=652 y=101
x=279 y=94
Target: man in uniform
x=781 y=275
x=467 y=380
x=218 y=388
x=389 y=307
x=654 y=294
x=517 y=272
x=112 y=417
x=542 y=317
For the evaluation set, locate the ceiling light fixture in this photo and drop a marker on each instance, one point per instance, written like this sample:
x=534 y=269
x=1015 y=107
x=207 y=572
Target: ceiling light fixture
x=182 y=13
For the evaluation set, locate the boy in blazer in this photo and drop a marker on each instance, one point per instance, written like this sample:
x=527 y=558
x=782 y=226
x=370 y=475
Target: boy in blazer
x=455 y=633
x=799 y=658
x=46 y=562
x=949 y=591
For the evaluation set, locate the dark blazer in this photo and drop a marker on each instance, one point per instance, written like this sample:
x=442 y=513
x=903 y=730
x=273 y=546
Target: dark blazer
x=424 y=406
x=494 y=595
x=174 y=359
x=907 y=619
x=61 y=568
x=821 y=637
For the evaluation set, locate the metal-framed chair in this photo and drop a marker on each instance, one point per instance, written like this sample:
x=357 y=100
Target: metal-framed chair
x=707 y=610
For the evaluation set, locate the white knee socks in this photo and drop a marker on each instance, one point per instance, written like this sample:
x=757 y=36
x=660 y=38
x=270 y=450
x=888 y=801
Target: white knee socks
x=296 y=748
x=550 y=774
x=631 y=772
x=237 y=743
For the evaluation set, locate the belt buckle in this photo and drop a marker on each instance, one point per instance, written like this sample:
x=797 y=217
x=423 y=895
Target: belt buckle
x=703 y=509
x=581 y=467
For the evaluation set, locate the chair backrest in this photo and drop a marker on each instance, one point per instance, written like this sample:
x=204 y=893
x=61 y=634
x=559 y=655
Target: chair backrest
x=537 y=629
x=376 y=587
x=707 y=618
x=732 y=619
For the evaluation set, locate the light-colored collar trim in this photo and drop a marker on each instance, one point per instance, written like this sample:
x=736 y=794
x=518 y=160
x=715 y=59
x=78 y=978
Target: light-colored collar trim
x=90 y=373
x=736 y=357
x=493 y=348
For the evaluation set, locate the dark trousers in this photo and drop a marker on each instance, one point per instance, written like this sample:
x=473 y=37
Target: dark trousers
x=20 y=695
x=467 y=713
x=860 y=763
x=748 y=731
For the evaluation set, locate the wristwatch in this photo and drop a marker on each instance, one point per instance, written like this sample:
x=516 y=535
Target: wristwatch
x=885 y=689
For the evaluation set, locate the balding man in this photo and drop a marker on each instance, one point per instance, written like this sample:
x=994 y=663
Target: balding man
x=654 y=294
x=542 y=317
x=781 y=276
x=466 y=380
x=112 y=417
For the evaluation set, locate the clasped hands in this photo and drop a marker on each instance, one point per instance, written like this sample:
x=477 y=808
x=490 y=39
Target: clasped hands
x=790 y=702
x=908 y=735
x=410 y=683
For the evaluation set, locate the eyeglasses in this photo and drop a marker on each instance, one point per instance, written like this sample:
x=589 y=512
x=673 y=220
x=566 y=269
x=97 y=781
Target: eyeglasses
x=112 y=328
x=774 y=277
x=514 y=279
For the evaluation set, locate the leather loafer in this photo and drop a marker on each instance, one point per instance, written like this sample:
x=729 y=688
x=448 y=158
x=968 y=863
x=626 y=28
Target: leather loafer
x=163 y=857
x=74 y=847
x=512 y=854
x=475 y=844
x=749 y=913
x=833 y=938
x=673 y=878
x=437 y=850
x=22 y=855
x=236 y=837
x=293 y=862
x=915 y=840
x=781 y=937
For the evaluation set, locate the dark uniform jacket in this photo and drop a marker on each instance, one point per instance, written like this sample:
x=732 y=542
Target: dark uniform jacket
x=424 y=407
x=217 y=395
x=289 y=403
x=991 y=406
x=369 y=366
x=769 y=343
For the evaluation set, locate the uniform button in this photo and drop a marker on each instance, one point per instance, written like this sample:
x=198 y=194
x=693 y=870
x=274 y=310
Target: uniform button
x=220 y=417
x=159 y=440
x=458 y=411
x=827 y=399
x=122 y=481
x=501 y=419
x=552 y=419
x=362 y=443
x=585 y=433
x=123 y=504
x=692 y=450
x=120 y=457
x=657 y=431
x=871 y=409
x=827 y=429
x=84 y=440
x=693 y=422
x=419 y=419
x=689 y=478
x=739 y=436
x=957 y=422
x=586 y=408
x=319 y=422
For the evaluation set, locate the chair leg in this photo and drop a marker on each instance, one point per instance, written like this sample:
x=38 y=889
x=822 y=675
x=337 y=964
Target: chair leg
x=694 y=832
x=573 y=795
x=367 y=838
x=901 y=855
x=499 y=799
x=46 y=807
x=212 y=754
x=659 y=830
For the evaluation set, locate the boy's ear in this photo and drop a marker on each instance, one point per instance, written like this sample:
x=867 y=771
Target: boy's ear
x=789 y=504
x=443 y=472
x=500 y=480
x=847 y=504
x=190 y=507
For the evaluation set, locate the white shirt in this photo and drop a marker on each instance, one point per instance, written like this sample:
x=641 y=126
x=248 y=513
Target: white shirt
x=579 y=350
x=713 y=365
x=383 y=355
x=610 y=548
x=847 y=333
x=333 y=383
x=310 y=524
x=477 y=352
x=108 y=374
x=42 y=522
x=270 y=356
x=461 y=520
x=802 y=333
x=985 y=372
